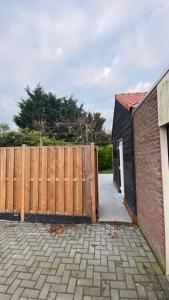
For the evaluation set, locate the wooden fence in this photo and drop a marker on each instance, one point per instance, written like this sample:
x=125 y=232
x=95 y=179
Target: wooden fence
x=48 y=181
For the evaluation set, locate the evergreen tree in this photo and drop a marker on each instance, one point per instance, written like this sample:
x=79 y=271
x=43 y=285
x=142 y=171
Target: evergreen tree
x=59 y=118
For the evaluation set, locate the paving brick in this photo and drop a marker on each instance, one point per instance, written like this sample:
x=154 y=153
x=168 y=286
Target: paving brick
x=13 y=286
x=45 y=291
x=109 y=276
x=141 y=292
x=130 y=294
x=61 y=296
x=84 y=282
x=141 y=278
x=114 y=294
x=83 y=263
x=66 y=276
x=78 y=293
x=3 y=288
x=71 y=285
x=30 y=293
x=129 y=281
x=58 y=288
x=2 y=279
x=78 y=274
x=61 y=269
x=40 y=282
x=25 y=276
x=100 y=269
x=91 y=291
x=77 y=258
x=151 y=295
x=105 y=289
x=117 y=284
x=36 y=273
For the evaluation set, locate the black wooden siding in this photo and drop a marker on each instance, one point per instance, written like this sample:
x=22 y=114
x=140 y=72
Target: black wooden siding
x=123 y=129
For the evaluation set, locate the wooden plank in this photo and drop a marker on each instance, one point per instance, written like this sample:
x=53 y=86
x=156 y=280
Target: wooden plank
x=85 y=179
x=79 y=186
x=35 y=188
x=88 y=182
x=3 y=180
x=56 y=179
x=23 y=184
x=51 y=181
x=93 y=182
x=44 y=180
x=27 y=180
x=10 y=179
x=75 y=195
x=70 y=181
x=97 y=180
x=18 y=179
x=61 y=194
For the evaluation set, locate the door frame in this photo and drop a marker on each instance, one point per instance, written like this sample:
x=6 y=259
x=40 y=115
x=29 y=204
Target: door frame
x=121 y=165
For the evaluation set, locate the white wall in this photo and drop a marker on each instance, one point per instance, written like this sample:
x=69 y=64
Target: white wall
x=163 y=115
x=163 y=100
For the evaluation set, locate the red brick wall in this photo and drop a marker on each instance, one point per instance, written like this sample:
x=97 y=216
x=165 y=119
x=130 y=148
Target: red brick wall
x=148 y=174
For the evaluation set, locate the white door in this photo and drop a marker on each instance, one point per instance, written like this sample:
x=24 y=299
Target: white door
x=121 y=167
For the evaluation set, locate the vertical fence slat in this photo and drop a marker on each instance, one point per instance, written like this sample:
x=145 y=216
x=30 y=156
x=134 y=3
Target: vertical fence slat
x=44 y=180
x=3 y=180
x=27 y=180
x=57 y=176
x=61 y=194
x=93 y=187
x=51 y=183
x=18 y=179
x=88 y=197
x=70 y=181
x=10 y=180
x=35 y=179
x=79 y=181
x=97 y=179
x=85 y=199
x=23 y=184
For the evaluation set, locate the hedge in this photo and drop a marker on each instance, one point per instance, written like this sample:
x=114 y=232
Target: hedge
x=105 y=158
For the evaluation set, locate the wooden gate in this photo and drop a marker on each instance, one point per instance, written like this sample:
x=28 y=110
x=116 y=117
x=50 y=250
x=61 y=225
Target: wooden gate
x=53 y=181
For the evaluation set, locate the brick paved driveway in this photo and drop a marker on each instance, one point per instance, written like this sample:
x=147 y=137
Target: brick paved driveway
x=86 y=262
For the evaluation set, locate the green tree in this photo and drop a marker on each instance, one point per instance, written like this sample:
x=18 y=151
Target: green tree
x=4 y=128
x=59 y=118
x=38 y=109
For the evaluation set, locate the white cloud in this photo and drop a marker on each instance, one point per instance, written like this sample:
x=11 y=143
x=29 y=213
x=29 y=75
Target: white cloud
x=76 y=46
x=107 y=73
x=141 y=87
x=95 y=77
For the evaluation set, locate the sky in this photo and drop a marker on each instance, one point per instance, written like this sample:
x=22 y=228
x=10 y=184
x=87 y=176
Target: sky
x=91 y=49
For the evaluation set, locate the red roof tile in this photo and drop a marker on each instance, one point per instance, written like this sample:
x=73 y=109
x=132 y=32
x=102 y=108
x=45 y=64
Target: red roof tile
x=130 y=100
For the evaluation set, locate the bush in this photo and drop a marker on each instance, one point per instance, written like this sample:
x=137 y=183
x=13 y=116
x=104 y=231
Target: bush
x=12 y=138
x=105 y=158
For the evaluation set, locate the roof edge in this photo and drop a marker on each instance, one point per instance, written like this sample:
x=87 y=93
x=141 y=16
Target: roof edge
x=125 y=106
x=152 y=88
x=127 y=93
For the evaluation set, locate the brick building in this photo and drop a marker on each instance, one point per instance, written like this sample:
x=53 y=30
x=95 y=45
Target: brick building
x=151 y=148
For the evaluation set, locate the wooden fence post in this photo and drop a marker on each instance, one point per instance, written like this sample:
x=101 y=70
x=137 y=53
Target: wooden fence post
x=23 y=184
x=93 y=181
